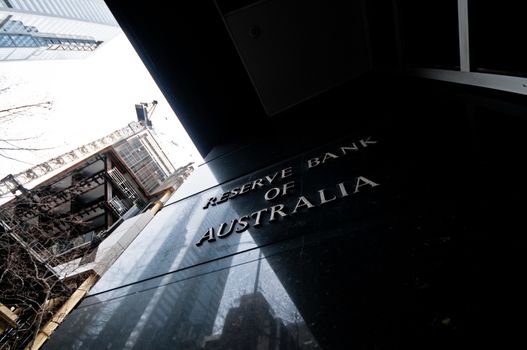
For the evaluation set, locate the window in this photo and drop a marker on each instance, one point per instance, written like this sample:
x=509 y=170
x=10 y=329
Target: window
x=497 y=37
x=5 y=41
x=23 y=41
x=430 y=35
x=490 y=38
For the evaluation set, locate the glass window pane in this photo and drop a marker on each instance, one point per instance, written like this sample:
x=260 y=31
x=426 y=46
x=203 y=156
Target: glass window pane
x=5 y=41
x=430 y=33
x=497 y=37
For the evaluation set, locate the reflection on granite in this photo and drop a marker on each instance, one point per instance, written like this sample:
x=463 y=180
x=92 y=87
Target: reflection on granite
x=252 y=325
x=241 y=307
x=168 y=243
x=418 y=262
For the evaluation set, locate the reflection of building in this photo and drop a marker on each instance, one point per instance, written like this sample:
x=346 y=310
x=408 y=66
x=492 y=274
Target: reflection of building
x=252 y=326
x=188 y=309
x=53 y=29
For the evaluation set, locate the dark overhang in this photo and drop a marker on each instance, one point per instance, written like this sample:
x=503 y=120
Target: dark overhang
x=232 y=69
x=240 y=70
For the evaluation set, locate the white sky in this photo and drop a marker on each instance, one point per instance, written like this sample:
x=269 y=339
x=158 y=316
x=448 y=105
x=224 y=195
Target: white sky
x=91 y=97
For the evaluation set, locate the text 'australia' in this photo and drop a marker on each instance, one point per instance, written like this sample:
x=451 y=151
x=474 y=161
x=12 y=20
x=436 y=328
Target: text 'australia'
x=276 y=212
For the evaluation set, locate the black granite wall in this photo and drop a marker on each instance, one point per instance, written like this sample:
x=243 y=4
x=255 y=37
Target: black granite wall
x=407 y=233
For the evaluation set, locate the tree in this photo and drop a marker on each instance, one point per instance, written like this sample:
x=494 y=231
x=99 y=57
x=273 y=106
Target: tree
x=9 y=144
x=10 y=113
x=30 y=287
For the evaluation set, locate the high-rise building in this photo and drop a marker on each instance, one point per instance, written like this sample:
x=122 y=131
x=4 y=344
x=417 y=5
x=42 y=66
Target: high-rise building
x=53 y=29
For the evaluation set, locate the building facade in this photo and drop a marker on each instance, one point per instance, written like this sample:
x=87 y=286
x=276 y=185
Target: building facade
x=363 y=184
x=93 y=193
x=58 y=29
x=70 y=227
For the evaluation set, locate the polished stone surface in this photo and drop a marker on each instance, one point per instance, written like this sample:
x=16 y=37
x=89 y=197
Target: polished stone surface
x=421 y=260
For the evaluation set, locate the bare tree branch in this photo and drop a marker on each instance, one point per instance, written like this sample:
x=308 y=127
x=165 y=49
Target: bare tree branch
x=17 y=148
x=8 y=115
x=33 y=239
x=16 y=160
x=20 y=139
x=17 y=109
x=28 y=283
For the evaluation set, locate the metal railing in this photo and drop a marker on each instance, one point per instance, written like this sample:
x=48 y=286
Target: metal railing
x=124 y=185
x=118 y=206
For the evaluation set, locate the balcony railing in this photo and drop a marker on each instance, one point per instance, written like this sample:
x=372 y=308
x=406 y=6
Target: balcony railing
x=118 y=206
x=124 y=185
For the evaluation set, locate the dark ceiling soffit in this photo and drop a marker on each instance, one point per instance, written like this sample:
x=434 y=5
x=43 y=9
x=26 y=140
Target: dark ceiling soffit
x=189 y=53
